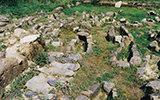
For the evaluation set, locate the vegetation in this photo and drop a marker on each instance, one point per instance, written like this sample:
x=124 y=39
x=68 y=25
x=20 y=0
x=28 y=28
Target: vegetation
x=96 y=67
x=41 y=58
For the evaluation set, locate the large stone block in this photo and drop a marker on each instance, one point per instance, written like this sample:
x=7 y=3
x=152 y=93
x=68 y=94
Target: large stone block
x=10 y=68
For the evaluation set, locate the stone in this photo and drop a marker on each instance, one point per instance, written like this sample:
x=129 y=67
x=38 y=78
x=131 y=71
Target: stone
x=152 y=13
x=118 y=4
x=154 y=46
x=48 y=97
x=1 y=30
x=65 y=59
x=58 y=8
x=123 y=20
x=77 y=66
x=81 y=97
x=112 y=59
x=29 y=94
x=65 y=79
x=135 y=60
x=39 y=84
x=122 y=64
x=55 y=43
x=56 y=16
x=87 y=93
x=110 y=13
x=118 y=38
x=10 y=68
x=83 y=33
x=75 y=57
x=29 y=39
x=85 y=24
x=12 y=40
x=52 y=82
x=3 y=24
x=154 y=84
x=111 y=33
x=114 y=93
x=65 y=97
x=51 y=59
x=155 y=96
x=108 y=86
x=157 y=19
x=89 y=48
x=141 y=70
x=18 y=32
x=97 y=23
x=95 y=88
x=56 y=54
x=53 y=70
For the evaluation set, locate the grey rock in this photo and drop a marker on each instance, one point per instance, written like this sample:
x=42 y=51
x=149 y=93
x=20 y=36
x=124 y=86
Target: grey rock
x=95 y=89
x=154 y=84
x=114 y=93
x=64 y=79
x=152 y=13
x=1 y=30
x=155 y=96
x=146 y=58
x=56 y=16
x=111 y=33
x=112 y=58
x=38 y=84
x=82 y=98
x=118 y=4
x=48 y=97
x=108 y=86
x=61 y=71
x=65 y=59
x=87 y=93
x=51 y=59
x=3 y=24
x=154 y=46
x=123 y=20
x=89 y=48
x=29 y=94
x=83 y=33
x=55 y=43
x=65 y=97
x=118 y=38
x=52 y=82
x=75 y=57
x=86 y=24
x=55 y=54
x=135 y=60
x=122 y=64
x=141 y=70
x=0 y=60
x=110 y=13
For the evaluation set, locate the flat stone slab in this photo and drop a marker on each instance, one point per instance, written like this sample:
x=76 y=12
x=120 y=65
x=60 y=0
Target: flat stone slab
x=154 y=84
x=52 y=70
x=39 y=84
x=82 y=98
x=29 y=94
x=69 y=66
x=29 y=39
x=56 y=54
x=95 y=89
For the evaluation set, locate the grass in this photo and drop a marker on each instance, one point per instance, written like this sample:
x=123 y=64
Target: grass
x=96 y=67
